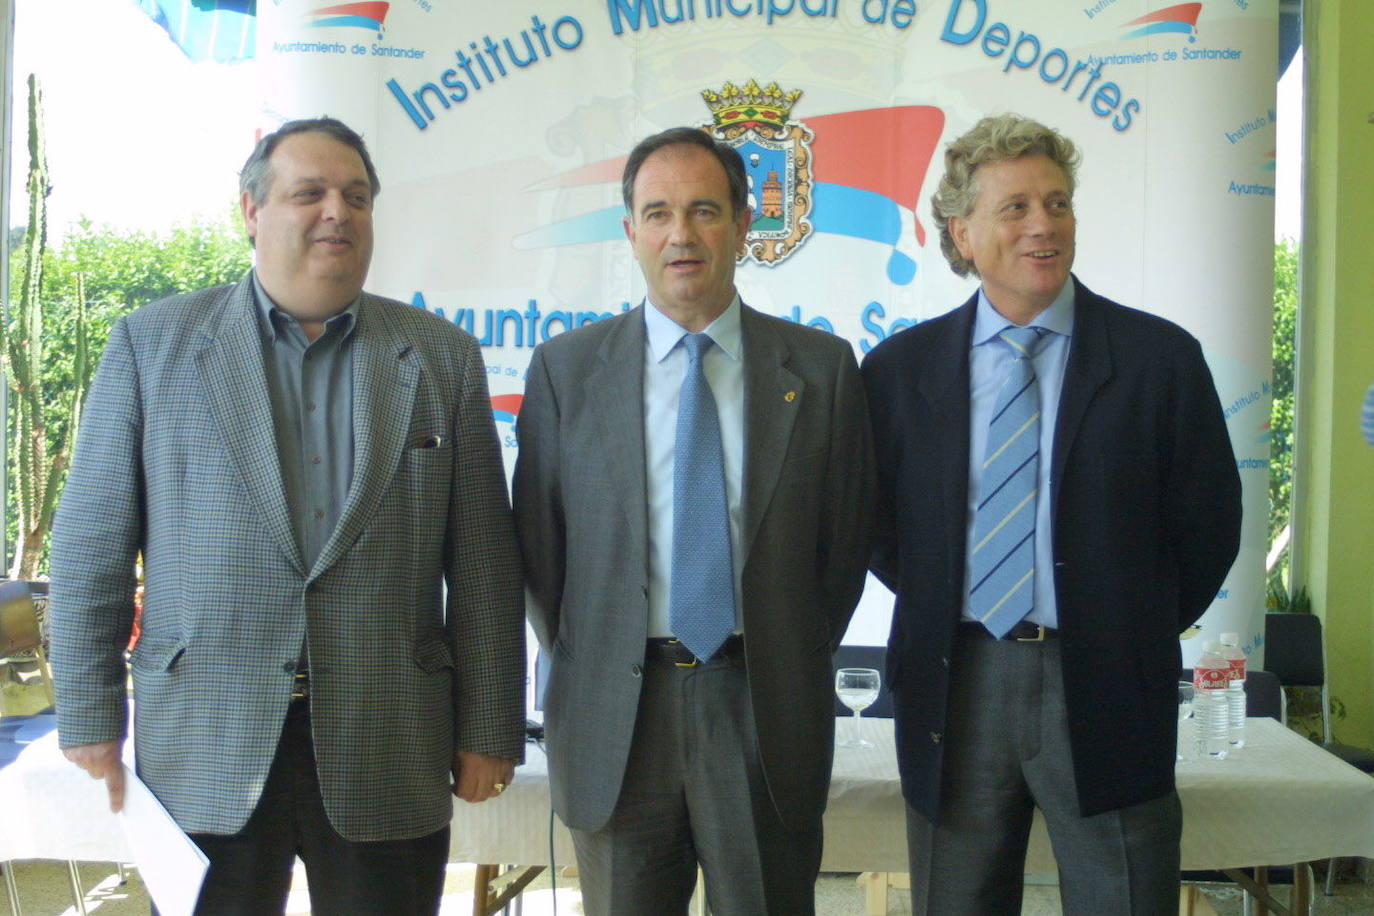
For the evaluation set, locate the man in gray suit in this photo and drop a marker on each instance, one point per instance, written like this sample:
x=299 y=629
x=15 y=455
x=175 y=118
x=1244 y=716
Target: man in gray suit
x=304 y=468
x=692 y=499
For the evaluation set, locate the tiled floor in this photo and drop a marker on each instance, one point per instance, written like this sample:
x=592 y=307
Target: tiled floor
x=44 y=891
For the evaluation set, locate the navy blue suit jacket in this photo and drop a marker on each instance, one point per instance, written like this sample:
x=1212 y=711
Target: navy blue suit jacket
x=1146 y=507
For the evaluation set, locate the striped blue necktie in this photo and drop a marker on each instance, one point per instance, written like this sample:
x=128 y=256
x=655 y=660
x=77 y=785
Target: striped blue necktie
x=701 y=592
x=1002 y=555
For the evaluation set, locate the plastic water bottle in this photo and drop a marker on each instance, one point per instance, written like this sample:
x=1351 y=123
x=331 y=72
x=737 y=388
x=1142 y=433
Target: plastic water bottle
x=1235 y=693
x=1211 y=712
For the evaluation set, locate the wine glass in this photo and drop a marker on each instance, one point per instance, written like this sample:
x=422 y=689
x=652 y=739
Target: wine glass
x=1185 y=710
x=857 y=688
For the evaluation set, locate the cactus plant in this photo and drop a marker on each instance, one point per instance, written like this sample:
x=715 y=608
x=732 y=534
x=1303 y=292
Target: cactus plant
x=41 y=456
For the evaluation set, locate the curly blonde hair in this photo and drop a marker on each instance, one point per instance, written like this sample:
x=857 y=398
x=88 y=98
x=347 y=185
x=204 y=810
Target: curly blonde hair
x=993 y=139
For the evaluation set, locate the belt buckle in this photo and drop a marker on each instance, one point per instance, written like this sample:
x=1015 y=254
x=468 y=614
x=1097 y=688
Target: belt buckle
x=1038 y=637
x=300 y=687
x=692 y=664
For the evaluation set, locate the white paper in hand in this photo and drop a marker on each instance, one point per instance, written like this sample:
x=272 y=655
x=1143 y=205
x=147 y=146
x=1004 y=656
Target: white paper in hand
x=171 y=865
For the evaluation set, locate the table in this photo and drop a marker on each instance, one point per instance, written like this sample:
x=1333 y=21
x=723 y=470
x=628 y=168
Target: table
x=53 y=810
x=1278 y=801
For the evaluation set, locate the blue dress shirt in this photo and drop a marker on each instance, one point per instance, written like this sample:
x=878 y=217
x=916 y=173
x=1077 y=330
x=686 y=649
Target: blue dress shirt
x=989 y=362
x=665 y=366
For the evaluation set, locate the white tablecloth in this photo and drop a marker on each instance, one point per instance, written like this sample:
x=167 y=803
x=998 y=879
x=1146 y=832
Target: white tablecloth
x=1279 y=800
x=52 y=809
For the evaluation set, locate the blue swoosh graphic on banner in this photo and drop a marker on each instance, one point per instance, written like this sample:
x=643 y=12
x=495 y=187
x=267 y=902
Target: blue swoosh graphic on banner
x=1156 y=28
x=221 y=30
x=842 y=210
x=361 y=22
x=838 y=210
x=596 y=226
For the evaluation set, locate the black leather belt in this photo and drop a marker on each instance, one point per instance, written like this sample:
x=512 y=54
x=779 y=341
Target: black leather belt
x=667 y=649
x=1025 y=631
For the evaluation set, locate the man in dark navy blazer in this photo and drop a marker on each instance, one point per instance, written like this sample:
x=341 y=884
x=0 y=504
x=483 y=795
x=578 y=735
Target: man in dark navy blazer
x=1136 y=521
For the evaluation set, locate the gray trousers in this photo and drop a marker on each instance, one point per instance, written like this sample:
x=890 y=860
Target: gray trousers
x=694 y=793
x=1006 y=753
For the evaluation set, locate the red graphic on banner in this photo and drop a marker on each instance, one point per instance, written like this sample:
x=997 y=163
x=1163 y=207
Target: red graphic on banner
x=1184 y=12
x=506 y=406
x=883 y=150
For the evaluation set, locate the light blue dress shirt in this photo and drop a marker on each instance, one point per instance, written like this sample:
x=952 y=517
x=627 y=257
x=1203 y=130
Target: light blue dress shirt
x=989 y=362
x=665 y=366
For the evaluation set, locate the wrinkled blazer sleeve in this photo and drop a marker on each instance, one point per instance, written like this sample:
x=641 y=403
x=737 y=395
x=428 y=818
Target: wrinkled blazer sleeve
x=97 y=534
x=851 y=485
x=1202 y=490
x=482 y=568
x=538 y=503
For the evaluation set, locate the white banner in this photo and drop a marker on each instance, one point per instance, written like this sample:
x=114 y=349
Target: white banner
x=500 y=130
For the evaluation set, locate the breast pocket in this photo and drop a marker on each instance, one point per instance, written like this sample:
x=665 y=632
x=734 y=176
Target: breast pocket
x=809 y=466
x=424 y=467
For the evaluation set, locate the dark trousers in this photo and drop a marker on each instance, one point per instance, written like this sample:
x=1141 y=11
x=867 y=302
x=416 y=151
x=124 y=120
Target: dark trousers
x=250 y=871
x=1006 y=753
x=694 y=792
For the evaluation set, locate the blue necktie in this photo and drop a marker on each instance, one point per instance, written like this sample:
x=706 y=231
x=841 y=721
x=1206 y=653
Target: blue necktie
x=702 y=587
x=1002 y=555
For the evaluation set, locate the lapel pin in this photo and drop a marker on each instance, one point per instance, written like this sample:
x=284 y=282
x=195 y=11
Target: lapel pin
x=790 y=397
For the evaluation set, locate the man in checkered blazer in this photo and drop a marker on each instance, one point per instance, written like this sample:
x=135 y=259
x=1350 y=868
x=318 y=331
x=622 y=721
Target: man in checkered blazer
x=332 y=630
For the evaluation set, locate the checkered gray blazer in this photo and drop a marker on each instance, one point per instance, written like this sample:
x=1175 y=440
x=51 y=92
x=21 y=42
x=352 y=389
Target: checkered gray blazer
x=177 y=459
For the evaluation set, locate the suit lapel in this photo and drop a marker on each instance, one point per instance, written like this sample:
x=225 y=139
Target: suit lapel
x=1088 y=368
x=615 y=396
x=944 y=385
x=386 y=373
x=236 y=388
x=773 y=394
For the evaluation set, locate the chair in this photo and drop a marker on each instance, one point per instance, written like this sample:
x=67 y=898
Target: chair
x=864 y=657
x=1294 y=651
x=21 y=626
x=1264 y=696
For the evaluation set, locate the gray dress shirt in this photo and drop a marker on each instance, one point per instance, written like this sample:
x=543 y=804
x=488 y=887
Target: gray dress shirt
x=310 y=384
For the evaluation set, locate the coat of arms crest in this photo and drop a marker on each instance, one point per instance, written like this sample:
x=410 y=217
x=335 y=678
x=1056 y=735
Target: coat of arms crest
x=777 y=161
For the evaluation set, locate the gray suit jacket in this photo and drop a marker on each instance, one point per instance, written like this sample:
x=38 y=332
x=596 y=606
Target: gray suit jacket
x=581 y=513
x=177 y=460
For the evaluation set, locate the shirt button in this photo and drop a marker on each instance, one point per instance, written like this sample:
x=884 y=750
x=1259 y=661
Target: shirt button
x=935 y=737
x=315 y=460
x=636 y=670
x=319 y=513
x=309 y=405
